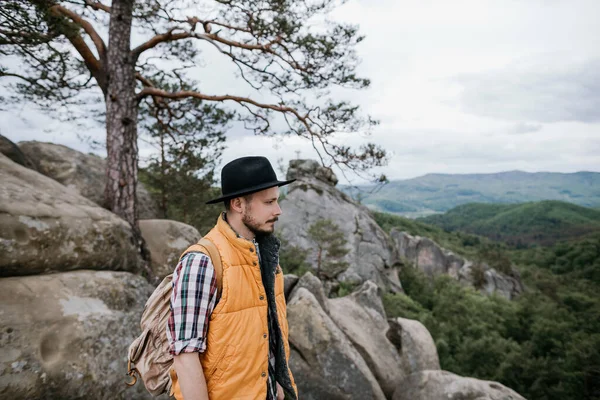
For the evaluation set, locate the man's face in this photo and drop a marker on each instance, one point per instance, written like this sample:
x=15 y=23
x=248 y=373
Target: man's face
x=261 y=211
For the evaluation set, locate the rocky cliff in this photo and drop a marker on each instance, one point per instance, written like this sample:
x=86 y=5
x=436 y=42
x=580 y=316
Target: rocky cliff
x=313 y=197
x=72 y=297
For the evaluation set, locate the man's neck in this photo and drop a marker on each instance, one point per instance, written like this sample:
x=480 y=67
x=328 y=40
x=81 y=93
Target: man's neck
x=240 y=228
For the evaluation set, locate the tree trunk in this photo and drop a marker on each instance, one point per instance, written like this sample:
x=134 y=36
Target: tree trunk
x=121 y=125
x=319 y=255
x=121 y=116
x=163 y=176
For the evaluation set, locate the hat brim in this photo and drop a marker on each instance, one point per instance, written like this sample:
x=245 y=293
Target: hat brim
x=250 y=190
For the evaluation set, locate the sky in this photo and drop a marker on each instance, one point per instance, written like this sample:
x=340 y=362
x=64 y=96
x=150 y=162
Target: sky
x=458 y=86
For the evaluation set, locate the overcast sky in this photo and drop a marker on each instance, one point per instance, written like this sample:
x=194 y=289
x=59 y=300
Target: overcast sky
x=459 y=87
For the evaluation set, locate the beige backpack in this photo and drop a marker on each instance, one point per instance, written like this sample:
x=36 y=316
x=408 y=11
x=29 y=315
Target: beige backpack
x=149 y=355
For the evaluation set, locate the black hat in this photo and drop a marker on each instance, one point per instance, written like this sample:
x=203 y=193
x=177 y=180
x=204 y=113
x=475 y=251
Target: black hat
x=247 y=175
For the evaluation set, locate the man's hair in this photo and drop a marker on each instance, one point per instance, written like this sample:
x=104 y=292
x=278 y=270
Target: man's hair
x=247 y=197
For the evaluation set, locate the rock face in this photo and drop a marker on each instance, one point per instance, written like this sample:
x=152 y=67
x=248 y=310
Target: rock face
x=442 y=385
x=313 y=197
x=366 y=328
x=83 y=172
x=434 y=260
x=12 y=151
x=66 y=335
x=45 y=226
x=166 y=240
x=325 y=363
x=415 y=344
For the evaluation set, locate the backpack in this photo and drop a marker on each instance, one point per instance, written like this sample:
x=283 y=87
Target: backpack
x=149 y=355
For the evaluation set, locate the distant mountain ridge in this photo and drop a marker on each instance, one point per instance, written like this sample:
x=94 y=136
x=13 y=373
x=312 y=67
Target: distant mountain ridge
x=437 y=193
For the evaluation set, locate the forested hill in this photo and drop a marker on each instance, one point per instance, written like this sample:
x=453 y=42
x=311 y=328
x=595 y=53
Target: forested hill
x=436 y=193
x=544 y=344
x=542 y=223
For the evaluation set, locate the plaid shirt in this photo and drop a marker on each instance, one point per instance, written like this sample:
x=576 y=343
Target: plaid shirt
x=193 y=299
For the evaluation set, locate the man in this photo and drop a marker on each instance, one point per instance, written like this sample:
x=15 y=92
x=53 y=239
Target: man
x=234 y=344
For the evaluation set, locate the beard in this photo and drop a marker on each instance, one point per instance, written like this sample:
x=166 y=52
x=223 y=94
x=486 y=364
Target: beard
x=257 y=228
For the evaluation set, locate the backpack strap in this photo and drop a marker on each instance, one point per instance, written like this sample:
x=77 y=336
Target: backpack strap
x=209 y=248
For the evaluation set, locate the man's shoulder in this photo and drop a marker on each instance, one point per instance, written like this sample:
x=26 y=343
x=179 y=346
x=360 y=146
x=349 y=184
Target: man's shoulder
x=196 y=257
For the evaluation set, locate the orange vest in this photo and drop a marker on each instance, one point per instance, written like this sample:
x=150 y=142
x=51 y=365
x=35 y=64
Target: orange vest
x=235 y=362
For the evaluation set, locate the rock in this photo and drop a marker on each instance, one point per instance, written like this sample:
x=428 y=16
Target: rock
x=167 y=240
x=290 y=282
x=314 y=285
x=368 y=296
x=366 y=328
x=313 y=197
x=434 y=260
x=323 y=351
x=312 y=384
x=45 y=227
x=12 y=151
x=415 y=345
x=300 y=169
x=83 y=172
x=442 y=385
x=66 y=335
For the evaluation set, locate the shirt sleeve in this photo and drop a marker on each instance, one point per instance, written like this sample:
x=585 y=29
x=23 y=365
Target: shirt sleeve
x=193 y=299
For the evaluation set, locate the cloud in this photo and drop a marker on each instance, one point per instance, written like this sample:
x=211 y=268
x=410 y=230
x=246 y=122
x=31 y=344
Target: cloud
x=524 y=127
x=542 y=94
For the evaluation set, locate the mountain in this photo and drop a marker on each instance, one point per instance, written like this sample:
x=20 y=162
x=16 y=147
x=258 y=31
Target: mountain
x=437 y=193
x=542 y=223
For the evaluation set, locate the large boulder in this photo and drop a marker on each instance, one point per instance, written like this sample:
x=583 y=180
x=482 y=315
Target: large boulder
x=166 y=240
x=415 y=344
x=366 y=328
x=313 y=197
x=324 y=361
x=434 y=260
x=45 y=226
x=12 y=151
x=83 y=172
x=290 y=281
x=314 y=285
x=442 y=385
x=66 y=335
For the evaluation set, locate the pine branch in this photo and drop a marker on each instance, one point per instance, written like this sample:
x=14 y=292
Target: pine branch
x=96 y=5
x=148 y=91
x=87 y=27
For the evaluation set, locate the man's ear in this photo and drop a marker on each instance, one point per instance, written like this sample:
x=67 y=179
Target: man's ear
x=236 y=204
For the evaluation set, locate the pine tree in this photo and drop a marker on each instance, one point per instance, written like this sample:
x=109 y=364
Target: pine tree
x=128 y=54
x=331 y=248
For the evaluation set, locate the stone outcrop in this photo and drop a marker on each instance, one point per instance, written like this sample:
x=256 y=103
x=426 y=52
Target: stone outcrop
x=290 y=281
x=314 y=197
x=442 y=385
x=434 y=260
x=415 y=345
x=45 y=227
x=366 y=328
x=314 y=285
x=338 y=350
x=84 y=173
x=166 y=240
x=66 y=335
x=12 y=151
x=325 y=362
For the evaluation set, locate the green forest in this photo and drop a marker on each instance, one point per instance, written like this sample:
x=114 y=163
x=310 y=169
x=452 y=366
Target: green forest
x=545 y=344
x=521 y=225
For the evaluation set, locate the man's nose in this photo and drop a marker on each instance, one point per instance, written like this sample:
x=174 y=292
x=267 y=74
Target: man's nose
x=278 y=210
